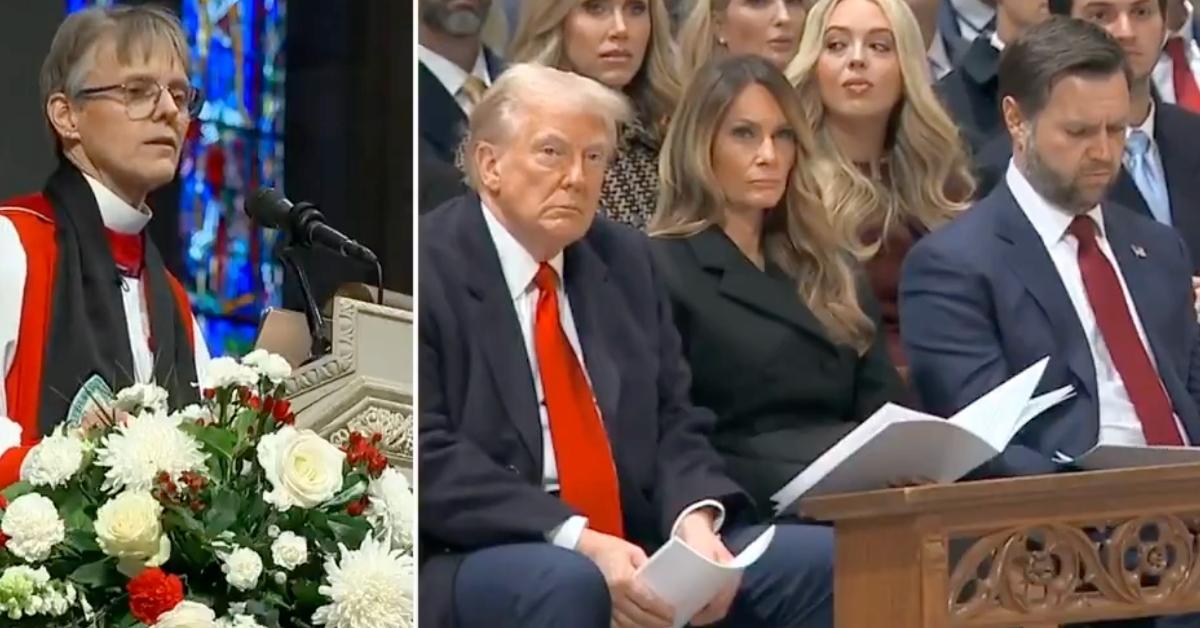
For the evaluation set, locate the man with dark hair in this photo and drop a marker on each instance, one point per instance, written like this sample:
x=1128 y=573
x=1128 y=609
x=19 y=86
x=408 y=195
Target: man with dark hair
x=453 y=72
x=1046 y=266
x=969 y=92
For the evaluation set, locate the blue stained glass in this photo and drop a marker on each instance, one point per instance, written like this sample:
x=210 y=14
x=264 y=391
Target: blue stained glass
x=235 y=145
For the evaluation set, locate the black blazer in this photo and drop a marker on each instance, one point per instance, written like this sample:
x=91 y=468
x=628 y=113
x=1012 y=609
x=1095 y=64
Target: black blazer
x=782 y=391
x=1177 y=134
x=440 y=120
x=437 y=180
x=480 y=435
x=970 y=93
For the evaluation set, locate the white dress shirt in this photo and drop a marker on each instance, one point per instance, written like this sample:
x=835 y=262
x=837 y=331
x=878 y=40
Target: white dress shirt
x=974 y=17
x=519 y=268
x=120 y=217
x=451 y=76
x=1119 y=424
x=1164 y=70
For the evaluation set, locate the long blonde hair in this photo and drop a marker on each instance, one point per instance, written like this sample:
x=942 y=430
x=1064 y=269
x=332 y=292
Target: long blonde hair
x=698 y=35
x=654 y=89
x=797 y=236
x=930 y=179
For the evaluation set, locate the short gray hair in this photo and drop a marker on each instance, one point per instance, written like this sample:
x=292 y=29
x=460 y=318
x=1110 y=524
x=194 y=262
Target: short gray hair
x=143 y=28
x=523 y=85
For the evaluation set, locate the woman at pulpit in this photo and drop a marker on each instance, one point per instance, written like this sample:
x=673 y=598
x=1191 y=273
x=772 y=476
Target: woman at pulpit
x=781 y=333
x=85 y=291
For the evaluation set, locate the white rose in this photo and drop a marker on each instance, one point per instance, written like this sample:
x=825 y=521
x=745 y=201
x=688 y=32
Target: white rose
x=392 y=508
x=129 y=528
x=239 y=621
x=225 y=372
x=304 y=469
x=139 y=397
x=53 y=461
x=33 y=527
x=242 y=568
x=269 y=365
x=289 y=550
x=187 y=614
x=193 y=413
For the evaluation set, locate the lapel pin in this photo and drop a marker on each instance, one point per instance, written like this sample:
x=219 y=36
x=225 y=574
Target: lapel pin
x=1138 y=251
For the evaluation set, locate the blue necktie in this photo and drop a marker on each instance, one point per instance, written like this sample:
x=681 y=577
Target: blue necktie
x=1147 y=175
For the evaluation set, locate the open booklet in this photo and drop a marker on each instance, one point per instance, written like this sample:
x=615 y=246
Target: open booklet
x=896 y=442
x=688 y=581
x=1103 y=457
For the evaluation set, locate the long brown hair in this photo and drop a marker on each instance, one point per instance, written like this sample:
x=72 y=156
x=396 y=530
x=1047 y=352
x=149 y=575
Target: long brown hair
x=655 y=88
x=797 y=236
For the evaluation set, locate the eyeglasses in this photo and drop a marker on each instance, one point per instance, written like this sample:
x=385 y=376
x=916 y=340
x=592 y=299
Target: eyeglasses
x=141 y=97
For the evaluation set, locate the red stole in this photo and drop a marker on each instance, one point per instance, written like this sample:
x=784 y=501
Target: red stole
x=33 y=218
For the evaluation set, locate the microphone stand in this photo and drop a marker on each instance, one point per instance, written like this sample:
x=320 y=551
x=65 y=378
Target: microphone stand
x=321 y=342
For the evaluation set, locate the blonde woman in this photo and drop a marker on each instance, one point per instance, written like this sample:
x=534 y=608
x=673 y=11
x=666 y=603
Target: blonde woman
x=777 y=330
x=889 y=160
x=627 y=46
x=768 y=28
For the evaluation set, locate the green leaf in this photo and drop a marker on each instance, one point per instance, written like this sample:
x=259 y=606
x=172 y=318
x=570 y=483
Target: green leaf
x=102 y=573
x=16 y=490
x=349 y=531
x=179 y=519
x=348 y=494
x=83 y=540
x=306 y=594
x=222 y=512
x=215 y=439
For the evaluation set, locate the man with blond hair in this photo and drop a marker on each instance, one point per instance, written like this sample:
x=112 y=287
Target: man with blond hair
x=558 y=447
x=85 y=292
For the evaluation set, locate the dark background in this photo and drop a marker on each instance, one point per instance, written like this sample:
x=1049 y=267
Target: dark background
x=348 y=120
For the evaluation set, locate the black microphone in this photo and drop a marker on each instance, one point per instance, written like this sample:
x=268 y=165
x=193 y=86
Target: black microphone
x=304 y=222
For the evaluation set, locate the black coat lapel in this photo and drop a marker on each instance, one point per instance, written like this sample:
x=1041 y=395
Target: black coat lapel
x=587 y=287
x=1031 y=263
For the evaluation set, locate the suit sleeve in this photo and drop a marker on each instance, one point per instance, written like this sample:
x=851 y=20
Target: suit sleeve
x=954 y=352
x=467 y=500
x=689 y=469
x=1193 y=366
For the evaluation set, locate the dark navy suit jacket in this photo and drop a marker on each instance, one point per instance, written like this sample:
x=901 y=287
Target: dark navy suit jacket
x=479 y=429
x=440 y=120
x=981 y=300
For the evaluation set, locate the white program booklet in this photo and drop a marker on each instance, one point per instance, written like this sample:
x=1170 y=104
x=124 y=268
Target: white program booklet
x=688 y=581
x=1103 y=457
x=897 y=442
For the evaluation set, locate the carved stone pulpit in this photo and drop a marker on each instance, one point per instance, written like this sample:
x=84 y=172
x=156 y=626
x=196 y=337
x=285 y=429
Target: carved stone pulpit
x=365 y=383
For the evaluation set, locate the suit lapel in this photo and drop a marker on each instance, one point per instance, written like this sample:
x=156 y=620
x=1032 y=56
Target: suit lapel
x=1138 y=273
x=441 y=119
x=586 y=280
x=758 y=290
x=1126 y=194
x=1179 y=159
x=503 y=345
x=1031 y=263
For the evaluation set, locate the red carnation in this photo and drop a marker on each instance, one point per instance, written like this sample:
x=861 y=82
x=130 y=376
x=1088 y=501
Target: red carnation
x=210 y=393
x=377 y=463
x=282 y=411
x=356 y=507
x=3 y=540
x=254 y=403
x=152 y=593
x=268 y=405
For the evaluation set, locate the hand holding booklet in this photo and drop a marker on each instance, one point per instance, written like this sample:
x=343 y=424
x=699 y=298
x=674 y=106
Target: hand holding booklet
x=898 y=442
x=688 y=581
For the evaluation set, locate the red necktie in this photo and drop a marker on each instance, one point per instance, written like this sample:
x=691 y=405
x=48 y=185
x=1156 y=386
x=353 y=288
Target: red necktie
x=1129 y=355
x=128 y=251
x=587 y=476
x=1187 y=94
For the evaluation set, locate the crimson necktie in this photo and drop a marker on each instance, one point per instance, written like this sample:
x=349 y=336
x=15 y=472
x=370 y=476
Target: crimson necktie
x=587 y=476
x=1187 y=94
x=1129 y=355
x=128 y=251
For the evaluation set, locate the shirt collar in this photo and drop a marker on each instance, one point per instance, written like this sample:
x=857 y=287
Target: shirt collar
x=448 y=73
x=518 y=266
x=977 y=12
x=115 y=212
x=1147 y=126
x=996 y=42
x=1050 y=221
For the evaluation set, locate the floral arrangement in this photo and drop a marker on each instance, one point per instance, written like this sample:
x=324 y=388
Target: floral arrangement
x=221 y=514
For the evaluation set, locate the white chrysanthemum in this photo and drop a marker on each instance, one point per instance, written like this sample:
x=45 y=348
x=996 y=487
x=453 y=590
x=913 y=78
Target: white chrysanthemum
x=33 y=527
x=392 y=508
x=140 y=398
x=149 y=444
x=225 y=371
x=193 y=413
x=269 y=365
x=53 y=461
x=371 y=587
x=289 y=550
x=239 y=621
x=242 y=568
x=188 y=614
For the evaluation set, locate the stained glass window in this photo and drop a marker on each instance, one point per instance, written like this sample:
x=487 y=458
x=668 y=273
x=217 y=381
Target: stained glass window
x=236 y=145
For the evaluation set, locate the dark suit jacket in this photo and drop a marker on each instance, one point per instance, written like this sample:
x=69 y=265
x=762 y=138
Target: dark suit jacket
x=981 y=300
x=782 y=391
x=948 y=30
x=1177 y=134
x=970 y=93
x=480 y=436
x=439 y=118
x=437 y=180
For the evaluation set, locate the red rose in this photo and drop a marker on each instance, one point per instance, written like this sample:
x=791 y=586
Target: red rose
x=268 y=406
x=356 y=507
x=282 y=411
x=210 y=393
x=377 y=463
x=152 y=593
